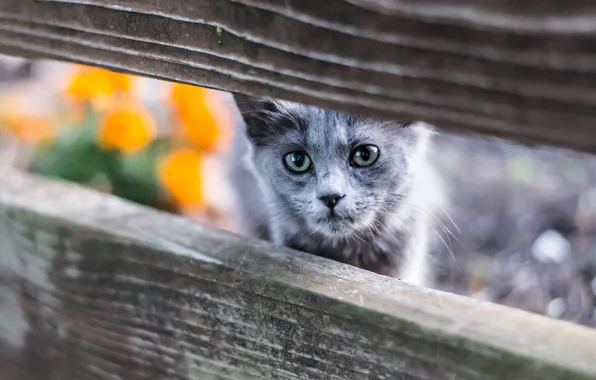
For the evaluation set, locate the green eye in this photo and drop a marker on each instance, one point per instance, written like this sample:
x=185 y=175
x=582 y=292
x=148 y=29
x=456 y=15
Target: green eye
x=297 y=162
x=364 y=155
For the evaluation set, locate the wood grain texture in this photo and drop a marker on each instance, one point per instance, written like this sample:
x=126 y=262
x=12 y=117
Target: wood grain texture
x=92 y=287
x=519 y=70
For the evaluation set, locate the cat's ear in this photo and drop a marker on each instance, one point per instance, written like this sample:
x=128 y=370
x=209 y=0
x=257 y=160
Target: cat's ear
x=257 y=113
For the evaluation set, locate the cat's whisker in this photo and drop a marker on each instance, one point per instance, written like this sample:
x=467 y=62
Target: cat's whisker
x=437 y=219
x=448 y=249
x=450 y=219
x=361 y=239
x=269 y=219
x=428 y=213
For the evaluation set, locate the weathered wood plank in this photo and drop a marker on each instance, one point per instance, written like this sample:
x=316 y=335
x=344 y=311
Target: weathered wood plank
x=524 y=71
x=92 y=287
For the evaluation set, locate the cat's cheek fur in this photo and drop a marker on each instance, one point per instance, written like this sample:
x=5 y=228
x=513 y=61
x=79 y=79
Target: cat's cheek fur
x=284 y=188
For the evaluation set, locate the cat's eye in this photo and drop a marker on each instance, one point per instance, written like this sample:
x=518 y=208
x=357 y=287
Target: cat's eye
x=364 y=155
x=297 y=162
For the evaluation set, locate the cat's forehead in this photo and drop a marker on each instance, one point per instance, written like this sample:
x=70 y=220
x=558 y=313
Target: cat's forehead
x=317 y=126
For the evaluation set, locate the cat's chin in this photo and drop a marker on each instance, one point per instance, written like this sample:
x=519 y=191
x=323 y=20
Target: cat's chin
x=335 y=232
x=335 y=227
x=342 y=226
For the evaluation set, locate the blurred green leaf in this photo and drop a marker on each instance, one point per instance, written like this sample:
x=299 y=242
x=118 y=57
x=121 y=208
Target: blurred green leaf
x=142 y=166
x=136 y=178
x=78 y=162
x=73 y=154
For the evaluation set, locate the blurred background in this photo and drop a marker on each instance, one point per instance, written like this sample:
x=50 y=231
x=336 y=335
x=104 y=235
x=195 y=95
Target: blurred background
x=520 y=228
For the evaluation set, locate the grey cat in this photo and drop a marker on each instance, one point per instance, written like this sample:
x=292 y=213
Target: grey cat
x=353 y=189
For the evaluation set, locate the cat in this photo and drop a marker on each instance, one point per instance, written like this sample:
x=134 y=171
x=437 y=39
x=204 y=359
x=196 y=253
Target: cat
x=353 y=189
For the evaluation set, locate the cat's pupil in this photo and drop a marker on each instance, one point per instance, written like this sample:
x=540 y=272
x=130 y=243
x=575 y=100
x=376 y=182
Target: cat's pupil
x=298 y=160
x=364 y=154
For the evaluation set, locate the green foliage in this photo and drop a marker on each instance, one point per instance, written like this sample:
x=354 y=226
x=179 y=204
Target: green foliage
x=74 y=155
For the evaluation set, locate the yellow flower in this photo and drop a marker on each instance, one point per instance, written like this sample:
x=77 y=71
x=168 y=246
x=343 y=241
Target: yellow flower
x=99 y=86
x=127 y=127
x=180 y=173
x=203 y=120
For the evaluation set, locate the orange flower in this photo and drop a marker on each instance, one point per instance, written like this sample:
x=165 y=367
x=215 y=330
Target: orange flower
x=96 y=85
x=23 y=126
x=182 y=93
x=29 y=128
x=128 y=127
x=203 y=120
x=75 y=113
x=180 y=174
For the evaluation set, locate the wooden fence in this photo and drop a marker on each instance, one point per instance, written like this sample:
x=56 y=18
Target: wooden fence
x=92 y=287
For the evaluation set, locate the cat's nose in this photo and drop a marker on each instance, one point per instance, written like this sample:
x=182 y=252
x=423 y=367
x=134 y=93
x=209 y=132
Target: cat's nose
x=331 y=200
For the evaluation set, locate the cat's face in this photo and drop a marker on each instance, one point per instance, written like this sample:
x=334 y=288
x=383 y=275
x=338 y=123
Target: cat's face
x=339 y=174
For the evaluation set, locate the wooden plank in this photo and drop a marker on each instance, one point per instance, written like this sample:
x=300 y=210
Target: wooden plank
x=93 y=287
x=519 y=70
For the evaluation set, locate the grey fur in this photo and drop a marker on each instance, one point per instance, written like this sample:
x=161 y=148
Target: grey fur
x=383 y=221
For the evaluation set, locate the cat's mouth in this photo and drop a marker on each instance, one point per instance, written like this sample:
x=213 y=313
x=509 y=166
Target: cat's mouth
x=336 y=225
x=333 y=217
